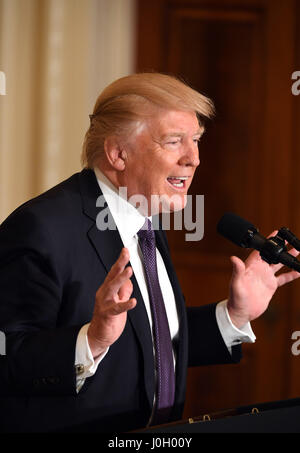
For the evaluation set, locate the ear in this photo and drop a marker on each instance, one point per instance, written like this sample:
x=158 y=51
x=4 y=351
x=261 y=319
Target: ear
x=115 y=153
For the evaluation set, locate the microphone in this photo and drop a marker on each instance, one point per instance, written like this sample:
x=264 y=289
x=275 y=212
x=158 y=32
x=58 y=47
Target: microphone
x=242 y=233
x=286 y=234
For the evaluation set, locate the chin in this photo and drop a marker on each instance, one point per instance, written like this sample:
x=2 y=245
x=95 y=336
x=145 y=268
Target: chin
x=172 y=203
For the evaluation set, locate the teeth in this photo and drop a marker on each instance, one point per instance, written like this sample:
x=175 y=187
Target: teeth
x=181 y=180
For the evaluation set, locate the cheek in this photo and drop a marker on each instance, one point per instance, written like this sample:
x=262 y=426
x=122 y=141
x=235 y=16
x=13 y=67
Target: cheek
x=153 y=169
x=153 y=172
x=164 y=166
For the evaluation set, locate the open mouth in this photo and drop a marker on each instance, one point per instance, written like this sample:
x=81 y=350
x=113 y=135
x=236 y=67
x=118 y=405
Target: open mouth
x=179 y=182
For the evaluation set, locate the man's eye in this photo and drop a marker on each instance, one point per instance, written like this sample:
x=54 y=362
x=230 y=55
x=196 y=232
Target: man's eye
x=175 y=142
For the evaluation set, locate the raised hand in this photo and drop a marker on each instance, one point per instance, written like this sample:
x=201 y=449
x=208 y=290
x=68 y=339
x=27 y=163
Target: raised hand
x=253 y=284
x=111 y=306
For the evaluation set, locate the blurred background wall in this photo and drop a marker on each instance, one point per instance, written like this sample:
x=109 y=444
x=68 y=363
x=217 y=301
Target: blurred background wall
x=242 y=54
x=57 y=56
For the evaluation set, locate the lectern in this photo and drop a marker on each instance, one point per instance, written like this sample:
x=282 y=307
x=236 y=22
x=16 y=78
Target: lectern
x=271 y=417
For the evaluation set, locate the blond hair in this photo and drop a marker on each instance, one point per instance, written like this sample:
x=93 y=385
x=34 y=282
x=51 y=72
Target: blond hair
x=131 y=99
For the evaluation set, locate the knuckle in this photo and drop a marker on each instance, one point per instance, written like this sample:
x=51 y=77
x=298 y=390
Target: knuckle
x=130 y=285
x=116 y=266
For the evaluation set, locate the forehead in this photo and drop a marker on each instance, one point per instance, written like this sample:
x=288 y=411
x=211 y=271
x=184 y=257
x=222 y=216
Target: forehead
x=173 y=121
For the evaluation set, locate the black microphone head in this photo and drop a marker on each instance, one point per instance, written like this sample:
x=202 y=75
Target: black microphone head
x=236 y=229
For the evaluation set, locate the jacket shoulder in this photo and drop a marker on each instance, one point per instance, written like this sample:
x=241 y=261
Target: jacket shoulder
x=61 y=201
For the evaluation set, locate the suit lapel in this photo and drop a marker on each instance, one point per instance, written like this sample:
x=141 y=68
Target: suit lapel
x=107 y=243
x=108 y=246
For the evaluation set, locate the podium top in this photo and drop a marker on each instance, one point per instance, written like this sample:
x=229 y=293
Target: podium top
x=271 y=417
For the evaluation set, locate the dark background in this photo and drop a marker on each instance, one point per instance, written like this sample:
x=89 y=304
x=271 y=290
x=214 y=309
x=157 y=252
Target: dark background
x=240 y=53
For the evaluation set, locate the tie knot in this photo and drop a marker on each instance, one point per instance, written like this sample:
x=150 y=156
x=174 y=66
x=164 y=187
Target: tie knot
x=146 y=232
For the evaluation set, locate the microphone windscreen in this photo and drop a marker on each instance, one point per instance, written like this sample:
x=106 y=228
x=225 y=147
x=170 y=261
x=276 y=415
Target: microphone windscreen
x=235 y=228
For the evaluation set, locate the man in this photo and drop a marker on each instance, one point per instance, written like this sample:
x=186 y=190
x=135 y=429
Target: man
x=86 y=348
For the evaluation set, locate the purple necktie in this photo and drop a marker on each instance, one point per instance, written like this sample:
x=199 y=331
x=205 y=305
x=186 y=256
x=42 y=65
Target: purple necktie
x=161 y=332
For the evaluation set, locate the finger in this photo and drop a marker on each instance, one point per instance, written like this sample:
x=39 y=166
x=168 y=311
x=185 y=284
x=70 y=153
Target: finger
x=119 y=265
x=287 y=277
x=113 y=286
x=126 y=290
x=294 y=252
x=272 y=234
x=238 y=266
x=121 y=307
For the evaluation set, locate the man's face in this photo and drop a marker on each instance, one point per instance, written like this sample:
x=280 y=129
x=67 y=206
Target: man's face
x=162 y=159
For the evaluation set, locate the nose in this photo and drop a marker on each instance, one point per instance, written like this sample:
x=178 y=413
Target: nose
x=190 y=157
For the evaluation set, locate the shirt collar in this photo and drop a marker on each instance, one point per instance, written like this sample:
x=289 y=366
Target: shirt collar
x=127 y=218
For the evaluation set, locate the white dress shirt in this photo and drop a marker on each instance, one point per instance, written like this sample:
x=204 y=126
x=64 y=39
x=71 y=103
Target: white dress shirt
x=129 y=221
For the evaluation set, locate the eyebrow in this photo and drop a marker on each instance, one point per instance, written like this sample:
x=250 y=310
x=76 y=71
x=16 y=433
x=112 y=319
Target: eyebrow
x=181 y=134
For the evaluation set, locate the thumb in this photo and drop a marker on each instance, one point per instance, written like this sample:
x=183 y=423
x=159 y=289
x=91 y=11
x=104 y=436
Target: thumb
x=238 y=266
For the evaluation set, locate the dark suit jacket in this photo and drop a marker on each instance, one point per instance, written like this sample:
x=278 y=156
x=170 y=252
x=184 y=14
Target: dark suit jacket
x=52 y=261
